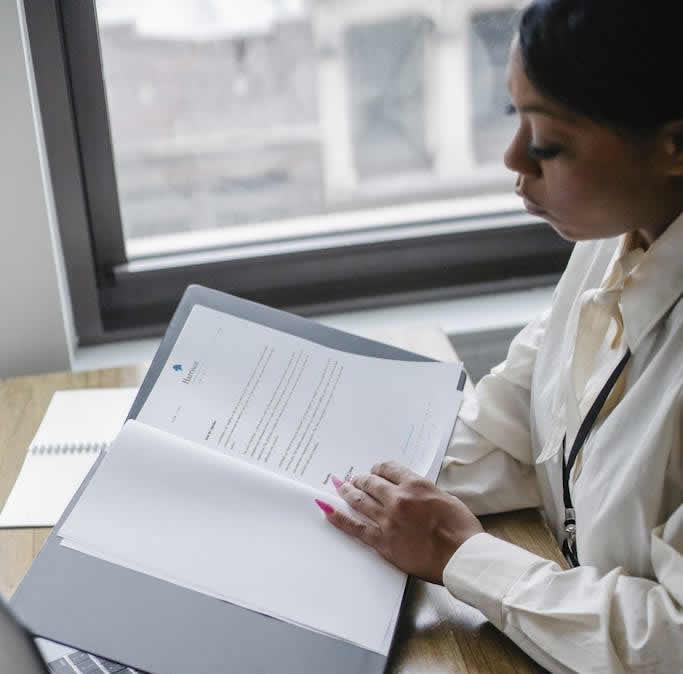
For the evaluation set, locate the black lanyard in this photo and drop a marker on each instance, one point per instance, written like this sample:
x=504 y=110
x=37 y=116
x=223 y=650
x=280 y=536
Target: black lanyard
x=569 y=545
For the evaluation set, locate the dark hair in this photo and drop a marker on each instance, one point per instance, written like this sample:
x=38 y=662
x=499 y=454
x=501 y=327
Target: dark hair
x=618 y=62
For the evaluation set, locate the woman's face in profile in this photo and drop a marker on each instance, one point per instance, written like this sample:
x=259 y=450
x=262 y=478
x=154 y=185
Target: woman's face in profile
x=585 y=179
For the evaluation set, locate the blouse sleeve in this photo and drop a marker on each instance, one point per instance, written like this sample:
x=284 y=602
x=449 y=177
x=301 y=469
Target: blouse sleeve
x=489 y=463
x=579 y=620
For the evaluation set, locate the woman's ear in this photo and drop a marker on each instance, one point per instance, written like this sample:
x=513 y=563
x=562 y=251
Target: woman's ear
x=670 y=141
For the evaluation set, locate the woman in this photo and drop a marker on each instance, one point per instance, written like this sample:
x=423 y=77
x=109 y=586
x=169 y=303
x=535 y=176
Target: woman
x=597 y=87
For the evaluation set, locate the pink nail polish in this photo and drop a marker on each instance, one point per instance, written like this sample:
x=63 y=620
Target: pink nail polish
x=325 y=507
x=336 y=481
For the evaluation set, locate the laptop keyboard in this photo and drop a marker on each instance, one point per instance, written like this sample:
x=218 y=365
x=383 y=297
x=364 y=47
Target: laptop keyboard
x=84 y=663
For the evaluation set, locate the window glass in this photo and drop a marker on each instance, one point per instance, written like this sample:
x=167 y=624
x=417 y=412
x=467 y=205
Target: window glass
x=386 y=63
x=228 y=115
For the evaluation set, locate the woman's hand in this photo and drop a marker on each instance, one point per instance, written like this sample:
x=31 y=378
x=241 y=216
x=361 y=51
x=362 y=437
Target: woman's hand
x=410 y=522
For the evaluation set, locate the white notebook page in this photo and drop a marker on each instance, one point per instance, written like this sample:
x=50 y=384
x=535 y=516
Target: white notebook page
x=77 y=425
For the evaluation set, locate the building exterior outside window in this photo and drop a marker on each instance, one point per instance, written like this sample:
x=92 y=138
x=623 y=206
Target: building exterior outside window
x=230 y=115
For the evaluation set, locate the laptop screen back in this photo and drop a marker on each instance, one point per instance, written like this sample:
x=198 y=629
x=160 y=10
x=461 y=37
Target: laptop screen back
x=18 y=652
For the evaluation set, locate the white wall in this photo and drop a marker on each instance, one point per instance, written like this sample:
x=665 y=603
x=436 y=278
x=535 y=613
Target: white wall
x=36 y=329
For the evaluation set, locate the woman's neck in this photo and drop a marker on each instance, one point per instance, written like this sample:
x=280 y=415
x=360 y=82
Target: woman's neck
x=635 y=240
x=668 y=213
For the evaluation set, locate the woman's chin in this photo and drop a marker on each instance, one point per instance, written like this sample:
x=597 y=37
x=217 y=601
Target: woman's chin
x=567 y=235
x=565 y=231
x=570 y=232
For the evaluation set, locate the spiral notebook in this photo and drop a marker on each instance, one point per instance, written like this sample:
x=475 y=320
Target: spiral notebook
x=78 y=425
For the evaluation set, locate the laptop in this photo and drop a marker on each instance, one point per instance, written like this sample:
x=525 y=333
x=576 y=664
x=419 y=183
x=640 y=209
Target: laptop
x=20 y=653
x=64 y=660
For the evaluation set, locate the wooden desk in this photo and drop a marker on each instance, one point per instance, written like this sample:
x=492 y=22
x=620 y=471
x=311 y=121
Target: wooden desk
x=437 y=633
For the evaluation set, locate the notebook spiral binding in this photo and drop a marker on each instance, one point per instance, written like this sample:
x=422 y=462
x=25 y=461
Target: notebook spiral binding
x=70 y=448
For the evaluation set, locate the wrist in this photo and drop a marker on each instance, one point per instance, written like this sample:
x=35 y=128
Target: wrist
x=468 y=533
x=455 y=542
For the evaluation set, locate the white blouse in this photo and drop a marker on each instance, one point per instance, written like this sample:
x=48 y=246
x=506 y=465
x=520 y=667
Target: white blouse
x=621 y=610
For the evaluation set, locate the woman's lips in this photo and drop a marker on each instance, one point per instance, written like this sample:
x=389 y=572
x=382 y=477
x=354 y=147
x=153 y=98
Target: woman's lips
x=531 y=206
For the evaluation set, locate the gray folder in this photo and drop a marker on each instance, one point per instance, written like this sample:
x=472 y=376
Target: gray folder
x=158 y=627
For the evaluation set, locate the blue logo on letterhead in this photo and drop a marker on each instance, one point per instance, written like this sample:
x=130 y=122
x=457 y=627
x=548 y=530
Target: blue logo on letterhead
x=178 y=367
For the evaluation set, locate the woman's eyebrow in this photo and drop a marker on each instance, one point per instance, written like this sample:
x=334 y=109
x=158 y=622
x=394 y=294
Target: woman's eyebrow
x=542 y=110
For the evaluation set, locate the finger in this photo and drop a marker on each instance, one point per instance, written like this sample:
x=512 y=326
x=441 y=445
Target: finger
x=363 y=531
x=376 y=486
x=393 y=471
x=360 y=500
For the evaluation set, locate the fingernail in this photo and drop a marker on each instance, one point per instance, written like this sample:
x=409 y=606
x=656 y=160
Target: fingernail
x=336 y=481
x=325 y=507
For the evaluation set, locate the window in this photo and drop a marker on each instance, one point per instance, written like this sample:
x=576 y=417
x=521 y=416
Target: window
x=304 y=153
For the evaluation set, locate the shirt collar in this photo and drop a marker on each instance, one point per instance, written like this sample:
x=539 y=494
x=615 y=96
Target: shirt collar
x=654 y=283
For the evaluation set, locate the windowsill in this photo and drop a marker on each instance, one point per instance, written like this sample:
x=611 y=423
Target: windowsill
x=343 y=222
x=455 y=317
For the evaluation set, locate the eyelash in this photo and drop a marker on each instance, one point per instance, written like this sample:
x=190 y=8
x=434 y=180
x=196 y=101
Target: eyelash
x=542 y=153
x=536 y=152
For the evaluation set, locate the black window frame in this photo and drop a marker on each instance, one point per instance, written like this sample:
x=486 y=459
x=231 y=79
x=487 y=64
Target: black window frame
x=114 y=298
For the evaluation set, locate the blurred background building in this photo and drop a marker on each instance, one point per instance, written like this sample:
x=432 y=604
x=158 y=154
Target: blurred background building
x=227 y=114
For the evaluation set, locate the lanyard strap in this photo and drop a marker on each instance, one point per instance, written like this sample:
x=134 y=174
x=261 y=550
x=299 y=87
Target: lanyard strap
x=569 y=545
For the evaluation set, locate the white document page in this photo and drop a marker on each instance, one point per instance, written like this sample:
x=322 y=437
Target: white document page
x=297 y=408
x=216 y=525
x=77 y=425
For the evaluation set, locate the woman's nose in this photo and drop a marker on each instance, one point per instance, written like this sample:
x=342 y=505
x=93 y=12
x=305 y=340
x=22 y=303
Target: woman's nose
x=517 y=158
